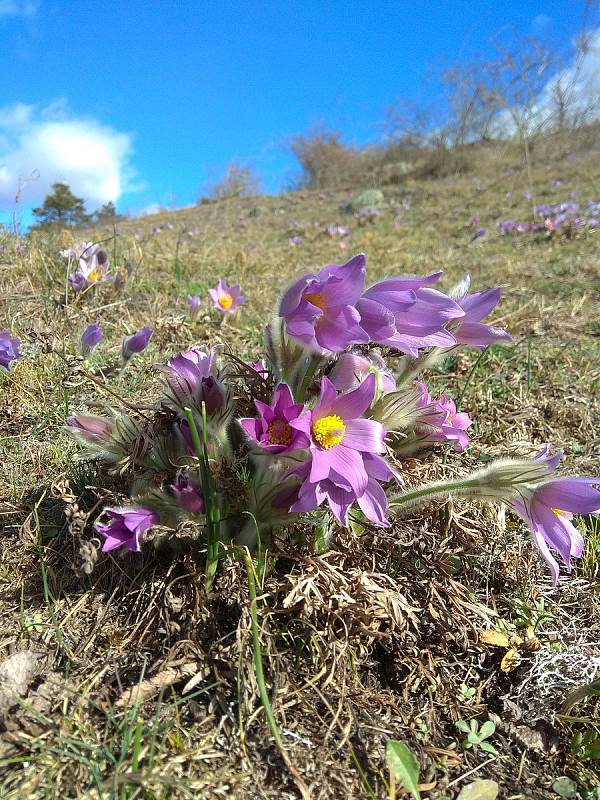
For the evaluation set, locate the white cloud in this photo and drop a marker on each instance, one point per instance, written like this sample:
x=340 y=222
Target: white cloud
x=53 y=144
x=18 y=8
x=574 y=90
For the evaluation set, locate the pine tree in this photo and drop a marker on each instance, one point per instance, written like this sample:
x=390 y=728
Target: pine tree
x=61 y=207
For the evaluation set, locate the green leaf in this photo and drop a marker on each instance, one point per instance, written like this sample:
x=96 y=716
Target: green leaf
x=473 y=737
x=463 y=726
x=487 y=729
x=488 y=748
x=565 y=787
x=403 y=766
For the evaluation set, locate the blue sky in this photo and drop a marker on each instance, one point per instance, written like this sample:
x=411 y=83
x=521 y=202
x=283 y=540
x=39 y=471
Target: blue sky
x=154 y=99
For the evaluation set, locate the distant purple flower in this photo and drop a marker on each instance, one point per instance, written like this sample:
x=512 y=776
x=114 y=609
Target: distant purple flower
x=351 y=369
x=2 y=249
x=226 y=299
x=556 y=182
x=406 y=315
x=337 y=230
x=21 y=248
x=189 y=494
x=193 y=303
x=272 y=429
x=92 y=265
x=344 y=463
x=474 y=219
x=294 y=241
x=136 y=343
x=318 y=309
x=91 y=337
x=126 y=527
x=477 y=234
x=527 y=195
x=9 y=350
x=548 y=508
x=454 y=424
x=94 y=430
x=469 y=329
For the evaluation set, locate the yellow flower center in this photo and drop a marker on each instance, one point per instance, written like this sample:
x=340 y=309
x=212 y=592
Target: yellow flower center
x=328 y=431
x=279 y=432
x=560 y=513
x=316 y=298
x=225 y=300
x=95 y=275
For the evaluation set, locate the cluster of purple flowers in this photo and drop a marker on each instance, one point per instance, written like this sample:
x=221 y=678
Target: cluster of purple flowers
x=339 y=420
x=567 y=218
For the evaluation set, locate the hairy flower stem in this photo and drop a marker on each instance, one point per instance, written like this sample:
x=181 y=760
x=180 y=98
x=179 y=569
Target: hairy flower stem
x=211 y=498
x=313 y=366
x=464 y=487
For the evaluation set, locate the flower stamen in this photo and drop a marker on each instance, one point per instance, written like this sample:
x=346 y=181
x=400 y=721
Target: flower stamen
x=225 y=300
x=316 y=299
x=328 y=431
x=279 y=432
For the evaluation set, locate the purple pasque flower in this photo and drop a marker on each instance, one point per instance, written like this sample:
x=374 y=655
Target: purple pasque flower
x=339 y=494
x=478 y=234
x=193 y=378
x=272 y=429
x=126 y=527
x=451 y=424
x=344 y=465
x=9 y=350
x=548 y=508
x=136 y=343
x=189 y=494
x=405 y=314
x=350 y=370
x=92 y=263
x=90 y=338
x=294 y=241
x=93 y=430
x=226 y=299
x=193 y=303
x=469 y=329
x=319 y=309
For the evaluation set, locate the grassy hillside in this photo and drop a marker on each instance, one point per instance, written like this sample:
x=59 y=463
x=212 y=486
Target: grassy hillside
x=379 y=638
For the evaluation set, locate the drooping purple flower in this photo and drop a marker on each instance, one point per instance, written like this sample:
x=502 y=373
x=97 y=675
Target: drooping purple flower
x=344 y=464
x=548 y=507
x=406 y=315
x=478 y=234
x=94 y=430
x=319 y=309
x=469 y=329
x=90 y=338
x=272 y=429
x=9 y=350
x=351 y=369
x=136 y=343
x=193 y=303
x=189 y=494
x=126 y=527
x=226 y=299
